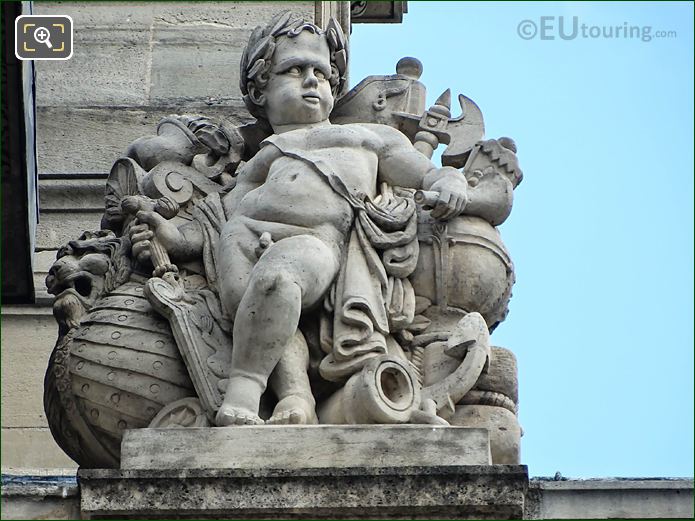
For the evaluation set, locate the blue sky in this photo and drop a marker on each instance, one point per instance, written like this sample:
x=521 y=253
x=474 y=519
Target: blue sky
x=602 y=228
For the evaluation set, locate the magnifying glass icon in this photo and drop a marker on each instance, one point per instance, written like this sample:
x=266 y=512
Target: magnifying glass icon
x=42 y=35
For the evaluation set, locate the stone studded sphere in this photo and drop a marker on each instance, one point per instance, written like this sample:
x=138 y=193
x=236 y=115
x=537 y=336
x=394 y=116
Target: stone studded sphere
x=468 y=255
x=124 y=365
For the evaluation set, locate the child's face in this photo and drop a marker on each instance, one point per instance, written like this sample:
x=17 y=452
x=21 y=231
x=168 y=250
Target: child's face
x=298 y=91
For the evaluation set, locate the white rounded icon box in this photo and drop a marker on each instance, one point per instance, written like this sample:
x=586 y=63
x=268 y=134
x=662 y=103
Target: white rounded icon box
x=43 y=37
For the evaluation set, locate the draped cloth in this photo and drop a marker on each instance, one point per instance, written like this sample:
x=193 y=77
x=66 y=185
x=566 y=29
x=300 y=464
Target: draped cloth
x=372 y=296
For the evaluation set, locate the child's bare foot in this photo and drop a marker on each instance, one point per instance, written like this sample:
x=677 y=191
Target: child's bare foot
x=240 y=406
x=294 y=410
x=229 y=415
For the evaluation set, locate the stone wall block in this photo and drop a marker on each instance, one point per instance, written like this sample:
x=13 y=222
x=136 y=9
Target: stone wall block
x=108 y=68
x=233 y=14
x=32 y=448
x=71 y=194
x=56 y=229
x=77 y=139
x=28 y=337
x=193 y=63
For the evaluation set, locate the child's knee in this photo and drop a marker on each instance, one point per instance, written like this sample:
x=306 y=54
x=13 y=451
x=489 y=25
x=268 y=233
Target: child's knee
x=271 y=281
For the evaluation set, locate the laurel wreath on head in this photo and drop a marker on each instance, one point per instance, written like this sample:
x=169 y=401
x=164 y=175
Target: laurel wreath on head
x=257 y=57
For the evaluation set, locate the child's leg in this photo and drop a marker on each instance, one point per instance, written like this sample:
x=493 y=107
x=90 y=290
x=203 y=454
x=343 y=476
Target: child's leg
x=294 y=273
x=290 y=382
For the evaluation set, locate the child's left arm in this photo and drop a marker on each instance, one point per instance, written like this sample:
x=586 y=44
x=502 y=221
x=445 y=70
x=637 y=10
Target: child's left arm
x=400 y=164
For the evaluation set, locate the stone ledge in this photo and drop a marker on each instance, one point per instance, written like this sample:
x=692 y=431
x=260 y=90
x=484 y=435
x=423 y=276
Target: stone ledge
x=40 y=497
x=443 y=492
x=305 y=446
x=77 y=193
x=64 y=485
x=605 y=498
x=90 y=139
x=27 y=310
x=614 y=484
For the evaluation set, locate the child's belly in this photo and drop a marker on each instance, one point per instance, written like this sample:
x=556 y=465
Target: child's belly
x=299 y=198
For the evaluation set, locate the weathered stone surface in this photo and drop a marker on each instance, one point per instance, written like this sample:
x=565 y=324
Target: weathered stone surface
x=502 y=375
x=43 y=495
x=181 y=54
x=313 y=446
x=337 y=248
x=90 y=139
x=132 y=57
x=32 y=447
x=56 y=229
x=68 y=202
x=40 y=497
x=617 y=498
x=454 y=492
x=143 y=14
x=129 y=54
x=503 y=426
x=70 y=194
x=42 y=263
x=28 y=335
x=109 y=66
x=45 y=507
x=233 y=14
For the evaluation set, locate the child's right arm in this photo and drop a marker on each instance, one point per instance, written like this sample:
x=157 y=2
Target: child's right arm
x=250 y=176
x=186 y=242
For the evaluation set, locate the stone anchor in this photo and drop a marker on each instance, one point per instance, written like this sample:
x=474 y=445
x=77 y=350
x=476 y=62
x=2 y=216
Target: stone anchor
x=469 y=345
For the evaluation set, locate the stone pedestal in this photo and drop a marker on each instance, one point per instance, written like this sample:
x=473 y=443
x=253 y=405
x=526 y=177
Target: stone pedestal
x=303 y=447
x=442 y=492
x=321 y=471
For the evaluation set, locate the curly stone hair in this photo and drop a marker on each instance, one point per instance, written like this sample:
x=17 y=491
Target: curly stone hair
x=258 y=53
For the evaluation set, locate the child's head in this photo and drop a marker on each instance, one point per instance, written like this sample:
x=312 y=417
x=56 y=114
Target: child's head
x=291 y=70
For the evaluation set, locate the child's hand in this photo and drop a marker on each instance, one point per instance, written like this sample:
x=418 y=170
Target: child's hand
x=140 y=237
x=148 y=225
x=452 y=189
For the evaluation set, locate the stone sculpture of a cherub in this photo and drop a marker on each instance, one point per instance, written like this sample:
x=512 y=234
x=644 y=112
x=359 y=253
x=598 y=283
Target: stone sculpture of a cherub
x=308 y=248
x=301 y=192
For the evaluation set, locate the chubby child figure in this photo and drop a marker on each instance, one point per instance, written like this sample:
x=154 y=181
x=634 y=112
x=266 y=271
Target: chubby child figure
x=293 y=198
